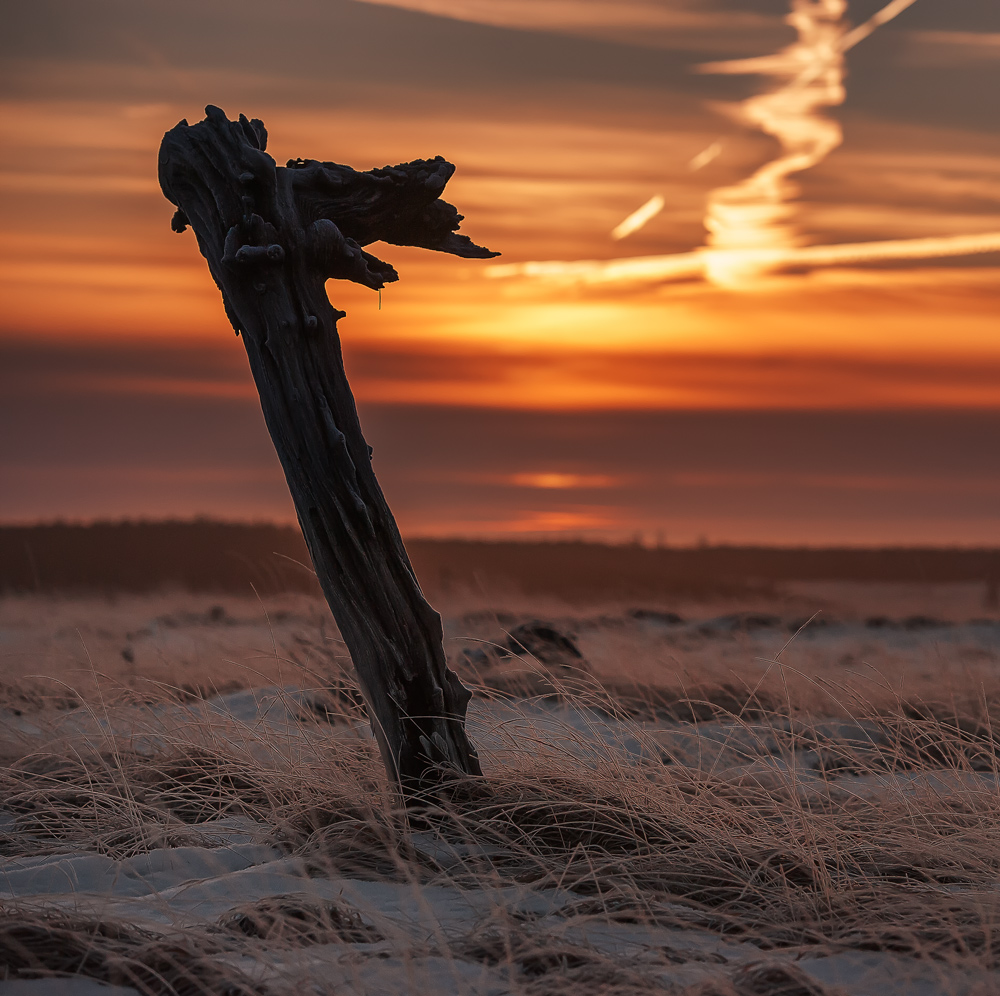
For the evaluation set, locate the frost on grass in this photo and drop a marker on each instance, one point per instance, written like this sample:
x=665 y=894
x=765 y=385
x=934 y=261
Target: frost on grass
x=774 y=831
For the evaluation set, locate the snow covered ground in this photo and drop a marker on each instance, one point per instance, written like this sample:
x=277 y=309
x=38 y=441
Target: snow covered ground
x=183 y=839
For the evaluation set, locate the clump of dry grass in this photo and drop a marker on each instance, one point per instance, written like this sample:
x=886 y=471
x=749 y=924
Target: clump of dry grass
x=804 y=837
x=47 y=945
x=299 y=921
x=547 y=963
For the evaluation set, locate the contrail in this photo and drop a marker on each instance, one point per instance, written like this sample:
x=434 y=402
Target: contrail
x=707 y=155
x=676 y=266
x=862 y=31
x=699 y=263
x=755 y=214
x=751 y=225
x=655 y=204
x=638 y=218
x=935 y=247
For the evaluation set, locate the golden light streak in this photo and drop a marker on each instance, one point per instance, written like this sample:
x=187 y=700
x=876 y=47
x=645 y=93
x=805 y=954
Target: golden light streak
x=862 y=31
x=677 y=266
x=708 y=263
x=639 y=217
x=895 y=249
x=706 y=156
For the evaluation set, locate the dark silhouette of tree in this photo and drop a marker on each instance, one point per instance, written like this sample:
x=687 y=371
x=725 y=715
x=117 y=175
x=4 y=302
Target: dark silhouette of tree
x=272 y=237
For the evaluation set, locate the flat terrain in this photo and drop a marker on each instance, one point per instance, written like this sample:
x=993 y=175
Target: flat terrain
x=784 y=791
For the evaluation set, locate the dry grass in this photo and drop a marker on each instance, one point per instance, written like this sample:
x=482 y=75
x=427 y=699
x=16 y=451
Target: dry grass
x=39 y=945
x=766 y=840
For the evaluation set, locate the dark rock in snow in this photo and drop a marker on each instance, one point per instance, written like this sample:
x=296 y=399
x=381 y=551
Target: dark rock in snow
x=545 y=644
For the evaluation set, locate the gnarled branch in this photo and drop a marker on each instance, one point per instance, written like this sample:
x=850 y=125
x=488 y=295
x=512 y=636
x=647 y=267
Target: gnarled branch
x=272 y=236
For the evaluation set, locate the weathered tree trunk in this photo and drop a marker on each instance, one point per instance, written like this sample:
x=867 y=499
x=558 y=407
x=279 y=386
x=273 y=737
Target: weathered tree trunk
x=272 y=237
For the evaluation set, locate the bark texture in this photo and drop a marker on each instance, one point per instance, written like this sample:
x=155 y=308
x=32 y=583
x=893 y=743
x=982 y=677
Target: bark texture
x=272 y=236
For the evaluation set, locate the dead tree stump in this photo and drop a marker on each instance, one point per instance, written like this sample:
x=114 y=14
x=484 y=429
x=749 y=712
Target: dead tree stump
x=272 y=236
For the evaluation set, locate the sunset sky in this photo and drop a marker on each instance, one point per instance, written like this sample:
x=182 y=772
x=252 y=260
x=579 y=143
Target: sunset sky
x=736 y=376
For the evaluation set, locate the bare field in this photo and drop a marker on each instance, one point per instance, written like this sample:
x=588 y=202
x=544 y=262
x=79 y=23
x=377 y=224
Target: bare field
x=794 y=792
x=920 y=640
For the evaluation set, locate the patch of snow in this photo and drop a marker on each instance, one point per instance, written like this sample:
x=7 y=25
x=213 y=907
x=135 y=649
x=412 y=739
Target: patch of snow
x=864 y=973
x=78 y=986
x=97 y=874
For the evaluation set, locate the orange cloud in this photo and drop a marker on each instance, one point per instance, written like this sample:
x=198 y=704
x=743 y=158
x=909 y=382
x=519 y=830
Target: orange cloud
x=554 y=480
x=644 y=22
x=94 y=258
x=524 y=522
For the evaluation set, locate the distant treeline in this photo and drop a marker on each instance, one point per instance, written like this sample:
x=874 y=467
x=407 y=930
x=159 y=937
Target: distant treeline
x=199 y=555
x=205 y=555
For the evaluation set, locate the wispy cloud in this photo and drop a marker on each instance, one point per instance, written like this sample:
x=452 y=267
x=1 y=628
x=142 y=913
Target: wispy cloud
x=562 y=14
x=639 y=217
x=666 y=23
x=951 y=49
x=752 y=225
x=738 y=267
